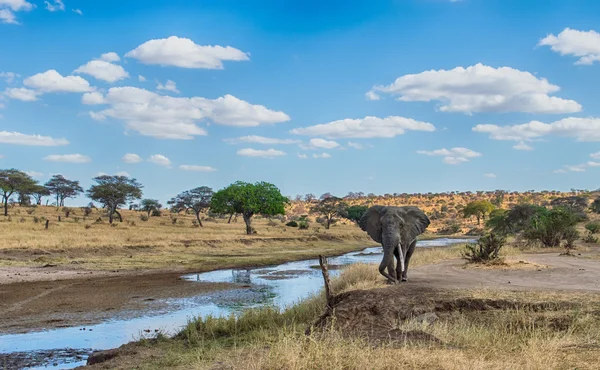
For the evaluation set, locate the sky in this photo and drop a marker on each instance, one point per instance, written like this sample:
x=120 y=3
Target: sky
x=313 y=96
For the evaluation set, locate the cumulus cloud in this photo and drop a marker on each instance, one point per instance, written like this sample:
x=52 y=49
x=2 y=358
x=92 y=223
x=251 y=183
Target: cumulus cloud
x=368 y=127
x=184 y=53
x=110 y=57
x=18 y=138
x=582 y=129
x=131 y=158
x=481 y=88
x=371 y=95
x=9 y=7
x=355 y=145
x=168 y=86
x=490 y=175
x=269 y=153
x=21 y=93
x=595 y=155
x=68 y=158
x=194 y=168
x=104 y=68
x=167 y=117
x=93 y=98
x=593 y=164
x=320 y=144
x=34 y=173
x=452 y=156
x=52 y=81
x=122 y=173
x=322 y=155
x=9 y=77
x=160 y=160
x=571 y=168
x=260 y=140
x=302 y=156
x=55 y=6
x=141 y=78
x=582 y=44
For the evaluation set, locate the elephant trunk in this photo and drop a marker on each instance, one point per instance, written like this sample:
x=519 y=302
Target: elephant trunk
x=390 y=241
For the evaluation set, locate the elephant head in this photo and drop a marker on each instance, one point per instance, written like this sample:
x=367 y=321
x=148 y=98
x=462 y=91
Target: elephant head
x=396 y=228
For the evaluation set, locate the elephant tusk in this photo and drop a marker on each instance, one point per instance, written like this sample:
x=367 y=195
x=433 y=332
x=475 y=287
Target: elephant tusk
x=401 y=254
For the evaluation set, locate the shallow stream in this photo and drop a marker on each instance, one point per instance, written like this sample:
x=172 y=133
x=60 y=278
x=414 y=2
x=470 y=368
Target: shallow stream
x=280 y=286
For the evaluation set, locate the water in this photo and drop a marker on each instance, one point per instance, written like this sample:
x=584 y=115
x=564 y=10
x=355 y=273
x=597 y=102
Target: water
x=281 y=286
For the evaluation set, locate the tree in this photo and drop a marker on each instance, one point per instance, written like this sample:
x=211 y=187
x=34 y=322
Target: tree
x=479 y=209
x=551 y=226
x=330 y=207
x=38 y=192
x=11 y=181
x=150 y=205
x=249 y=199
x=197 y=199
x=308 y=198
x=113 y=192
x=354 y=213
x=63 y=188
x=595 y=207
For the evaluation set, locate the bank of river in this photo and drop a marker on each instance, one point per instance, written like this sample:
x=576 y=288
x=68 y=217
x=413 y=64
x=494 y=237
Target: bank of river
x=280 y=286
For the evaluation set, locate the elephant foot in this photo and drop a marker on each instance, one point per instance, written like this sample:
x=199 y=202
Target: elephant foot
x=404 y=279
x=392 y=282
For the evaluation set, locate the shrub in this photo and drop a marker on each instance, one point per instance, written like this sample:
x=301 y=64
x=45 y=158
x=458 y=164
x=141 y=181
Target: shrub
x=76 y=219
x=485 y=250
x=450 y=228
x=292 y=224
x=144 y=217
x=551 y=226
x=570 y=235
x=595 y=207
x=88 y=226
x=590 y=238
x=156 y=213
x=303 y=225
x=87 y=211
x=22 y=220
x=99 y=220
x=36 y=219
x=593 y=227
x=173 y=220
x=67 y=211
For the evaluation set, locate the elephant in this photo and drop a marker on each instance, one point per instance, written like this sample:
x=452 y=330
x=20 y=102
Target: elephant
x=396 y=228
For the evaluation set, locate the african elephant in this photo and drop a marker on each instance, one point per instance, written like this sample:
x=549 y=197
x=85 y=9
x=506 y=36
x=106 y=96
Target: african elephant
x=396 y=228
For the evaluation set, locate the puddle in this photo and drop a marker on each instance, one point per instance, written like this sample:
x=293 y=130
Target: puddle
x=279 y=286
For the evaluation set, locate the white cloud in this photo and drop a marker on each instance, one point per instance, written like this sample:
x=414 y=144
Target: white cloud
x=169 y=117
x=481 y=88
x=194 y=168
x=34 y=173
x=93 y=98
x=21 y=93
x=260 y=140
x=131 y=158
x=104 y=70
x=269 y=153
x=97 y=116
x=355 y=145
x=141 y=78
x=572 y=168
x=582 y=129
x=593 y=164
x=595 y=155
x=58 y=5
x=490 y=175
x=582 y=44
x=160 y=160
x=368 y=127
x=122 y=173
x=18 y=138
x=78 y=11
x=302 y=156
x=452 y=156
x=68 y=158
x=322 y=155
x=8 y=7
x=184 y=53
x=320 y=144
x=110 y=57
x=522 y=146
x=169 y=86
x=52 y=81
x=9 y=77
x=371 y=95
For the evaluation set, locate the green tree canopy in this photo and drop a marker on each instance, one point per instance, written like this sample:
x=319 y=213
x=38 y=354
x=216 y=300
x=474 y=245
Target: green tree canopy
x=551 y=226
x=63 y=188
x=354 y=213
x=38 y=192
x=114 y=192
x=11 y=181
x=197 y=199
x=330 y=207
x=150 y=205
x=479 y=209
x=249 y=199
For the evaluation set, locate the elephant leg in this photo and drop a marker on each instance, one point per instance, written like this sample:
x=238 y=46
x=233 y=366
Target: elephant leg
x=386 y=262
x=409 y=253
x=398 y=271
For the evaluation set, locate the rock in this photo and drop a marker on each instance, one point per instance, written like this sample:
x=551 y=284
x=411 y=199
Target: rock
x=428 y=318
x=98 y=357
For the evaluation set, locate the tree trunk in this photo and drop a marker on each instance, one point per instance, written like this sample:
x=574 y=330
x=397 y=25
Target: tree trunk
x=110 y=215
x=198 y=218
x=119 y=214
x=57 y=201
x=328 y=222
x=248 y=221
x=230 y=216
x=149 y=213
x=5 y=206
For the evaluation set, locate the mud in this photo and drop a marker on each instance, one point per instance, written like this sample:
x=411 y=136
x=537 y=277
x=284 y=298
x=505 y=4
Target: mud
x=50 y=358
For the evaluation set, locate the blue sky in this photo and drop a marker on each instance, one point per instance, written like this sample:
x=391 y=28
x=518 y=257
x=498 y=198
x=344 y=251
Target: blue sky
x=372 y=96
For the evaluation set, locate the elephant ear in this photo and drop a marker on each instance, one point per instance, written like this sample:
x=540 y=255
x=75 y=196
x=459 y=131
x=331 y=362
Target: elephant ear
x=415 y=221
x=370 y=222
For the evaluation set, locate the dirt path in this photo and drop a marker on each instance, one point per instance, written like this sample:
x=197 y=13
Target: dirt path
x=539 y=271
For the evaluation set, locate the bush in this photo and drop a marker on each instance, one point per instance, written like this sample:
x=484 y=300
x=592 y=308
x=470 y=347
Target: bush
x=593 y=227
x=36 y=219
x=144 y=217
x=195 y=223
x=303 y=225
x=451 y=228
x=156 y=213
x=485 y=250
x=87 y=211
x=570 y=235
x=292 y=224
x=88 y=226
x=551 y=226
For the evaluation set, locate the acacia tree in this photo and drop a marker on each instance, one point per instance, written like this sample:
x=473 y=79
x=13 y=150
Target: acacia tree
x=249 y=199
x=479 y=209
x=329 y=208
x=150 y=205
x=63 y=188
x=11 y=181
x=114 y=192
x=197 y=199
x=38 y=192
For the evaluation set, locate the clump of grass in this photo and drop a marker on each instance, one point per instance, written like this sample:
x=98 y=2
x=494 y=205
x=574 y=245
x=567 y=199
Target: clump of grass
x=486 y=249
